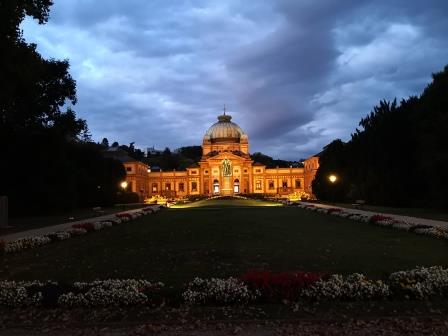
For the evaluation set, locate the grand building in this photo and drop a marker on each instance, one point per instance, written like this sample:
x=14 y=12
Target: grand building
x=225 y=168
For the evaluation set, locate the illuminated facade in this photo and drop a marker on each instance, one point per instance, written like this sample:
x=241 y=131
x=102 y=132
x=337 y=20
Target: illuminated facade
x=224 y=169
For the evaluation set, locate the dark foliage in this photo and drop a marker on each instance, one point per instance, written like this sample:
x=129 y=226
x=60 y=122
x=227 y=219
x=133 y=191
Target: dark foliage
x=48 y=163
x=399 y=157
x=269 y=162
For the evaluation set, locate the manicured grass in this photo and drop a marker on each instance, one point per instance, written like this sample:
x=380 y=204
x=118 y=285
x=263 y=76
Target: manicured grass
x=225 y=238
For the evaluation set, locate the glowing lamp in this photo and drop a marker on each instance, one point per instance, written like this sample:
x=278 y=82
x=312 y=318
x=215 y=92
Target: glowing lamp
x=332 y=178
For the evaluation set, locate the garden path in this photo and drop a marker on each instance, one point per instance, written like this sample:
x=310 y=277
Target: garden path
x=409 y=219
x=48 y=229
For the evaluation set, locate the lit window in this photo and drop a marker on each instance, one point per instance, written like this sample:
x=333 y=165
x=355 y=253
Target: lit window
x=181 y=187
x=167 y=186
x=194 y=186
x=154 y=187
x=258 y=185
x=128 y=169
x=285 y=184
x=258 y=170
x=271 y=185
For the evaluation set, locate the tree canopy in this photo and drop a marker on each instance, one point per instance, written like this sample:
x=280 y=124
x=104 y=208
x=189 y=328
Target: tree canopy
x=49 y=163
x=399 y=155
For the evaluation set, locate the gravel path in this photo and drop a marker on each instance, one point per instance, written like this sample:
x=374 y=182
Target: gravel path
x=411 y=326
x=59 y=227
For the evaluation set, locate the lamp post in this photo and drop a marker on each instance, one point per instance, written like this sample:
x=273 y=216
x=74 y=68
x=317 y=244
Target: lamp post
x=332 y=178
x=123 y=186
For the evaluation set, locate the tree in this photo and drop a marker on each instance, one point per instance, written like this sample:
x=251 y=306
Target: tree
x=61 y=169
x=399 y=155
x=105 y=142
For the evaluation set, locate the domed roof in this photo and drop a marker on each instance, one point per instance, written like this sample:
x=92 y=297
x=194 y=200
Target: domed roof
x=224 y=130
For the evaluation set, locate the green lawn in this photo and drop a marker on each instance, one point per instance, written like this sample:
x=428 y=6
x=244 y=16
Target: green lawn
x=223 y=238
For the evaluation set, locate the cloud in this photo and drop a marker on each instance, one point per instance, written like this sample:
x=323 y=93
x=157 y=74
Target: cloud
x=295 y=74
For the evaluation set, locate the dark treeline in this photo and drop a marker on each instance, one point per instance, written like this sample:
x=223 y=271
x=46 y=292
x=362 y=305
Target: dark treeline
x=179 y=160
x=269 y=162
x=184 y=157
x=48 y=162
x=399 y=158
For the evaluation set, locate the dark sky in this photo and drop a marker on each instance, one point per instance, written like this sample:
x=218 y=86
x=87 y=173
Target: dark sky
x=294 y=74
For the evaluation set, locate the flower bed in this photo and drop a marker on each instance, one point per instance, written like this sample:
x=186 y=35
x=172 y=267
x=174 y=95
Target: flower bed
x=109 y=293
x=420 y=283
x=98 y=293
x=75 y=230
x=382 y=220
x=352 y=287
x=280 y=286
x=218 y=291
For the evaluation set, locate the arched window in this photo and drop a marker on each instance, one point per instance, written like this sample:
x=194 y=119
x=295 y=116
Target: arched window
x=236 y=186
x=216 y=187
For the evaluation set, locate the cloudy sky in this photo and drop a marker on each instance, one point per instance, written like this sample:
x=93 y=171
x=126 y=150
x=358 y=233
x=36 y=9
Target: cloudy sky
x=294 y=74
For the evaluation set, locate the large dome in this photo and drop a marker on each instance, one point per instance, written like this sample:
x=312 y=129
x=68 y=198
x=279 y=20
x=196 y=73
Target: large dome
x=224 y=130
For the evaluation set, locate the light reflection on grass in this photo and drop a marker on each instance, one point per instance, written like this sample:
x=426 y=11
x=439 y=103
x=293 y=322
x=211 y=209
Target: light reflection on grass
x=236 y=202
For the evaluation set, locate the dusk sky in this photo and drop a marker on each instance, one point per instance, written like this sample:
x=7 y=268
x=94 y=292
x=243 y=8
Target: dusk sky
x=294 y=74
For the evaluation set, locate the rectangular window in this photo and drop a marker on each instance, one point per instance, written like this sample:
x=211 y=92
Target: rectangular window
x=167 y=186
x=194 y=186
x=128 y=169
x=154 y=187
x=194 y=172
x=181 y=187
x=258 y=170
x=298 y=184
x=258 y=185
x=245 y=170
x=271 y=185
x=285 y=184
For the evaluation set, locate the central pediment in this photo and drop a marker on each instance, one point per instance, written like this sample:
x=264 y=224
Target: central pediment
x=226 y=155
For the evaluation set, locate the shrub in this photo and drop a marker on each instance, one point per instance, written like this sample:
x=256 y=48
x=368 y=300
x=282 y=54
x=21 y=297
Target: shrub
x=129 y=197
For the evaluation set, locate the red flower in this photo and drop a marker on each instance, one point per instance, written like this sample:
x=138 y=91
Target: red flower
x=86 y=226
x=376 y=218
x=283 y=285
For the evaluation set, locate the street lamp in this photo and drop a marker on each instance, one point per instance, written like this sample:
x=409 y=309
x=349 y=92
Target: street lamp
x=332 y=178
x=123 y=186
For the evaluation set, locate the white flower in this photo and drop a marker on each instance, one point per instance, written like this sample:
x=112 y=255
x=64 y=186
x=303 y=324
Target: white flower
x=421 y=282
x=215 y=290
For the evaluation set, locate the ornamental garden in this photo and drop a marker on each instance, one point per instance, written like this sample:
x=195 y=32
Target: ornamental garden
x=227 y=252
